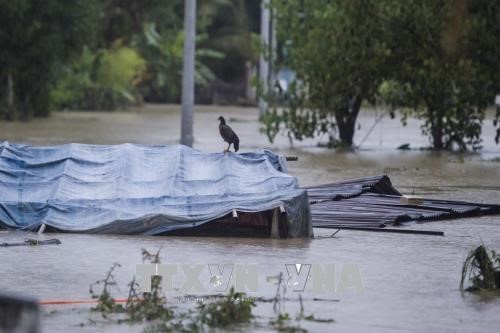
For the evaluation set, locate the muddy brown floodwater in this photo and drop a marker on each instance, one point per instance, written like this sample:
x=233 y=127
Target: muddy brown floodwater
x=409 y=282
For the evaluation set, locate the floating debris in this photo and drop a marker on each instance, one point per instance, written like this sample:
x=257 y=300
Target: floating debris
x=33 y=242
x=404 y=146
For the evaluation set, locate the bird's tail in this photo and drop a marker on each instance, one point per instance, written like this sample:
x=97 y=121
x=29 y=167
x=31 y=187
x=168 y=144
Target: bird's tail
x=236 y=145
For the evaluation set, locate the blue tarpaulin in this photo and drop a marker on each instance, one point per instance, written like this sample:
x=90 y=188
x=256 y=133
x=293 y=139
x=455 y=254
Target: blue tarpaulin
x=141 y=189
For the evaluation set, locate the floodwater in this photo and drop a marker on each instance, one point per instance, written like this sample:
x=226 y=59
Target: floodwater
x=409 y=282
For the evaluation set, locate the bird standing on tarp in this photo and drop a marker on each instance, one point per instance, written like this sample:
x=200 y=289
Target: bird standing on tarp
x=228 y=135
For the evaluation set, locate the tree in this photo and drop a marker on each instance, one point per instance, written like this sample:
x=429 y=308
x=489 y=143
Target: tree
x=445 y=57
x=230 y=30
x=35 y=36
x=155 y=29
x=104 y=79
x=125 y=19
x=338 y=51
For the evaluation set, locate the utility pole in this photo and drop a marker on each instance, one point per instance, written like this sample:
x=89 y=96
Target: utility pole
x=265 y=18
x=188 y=73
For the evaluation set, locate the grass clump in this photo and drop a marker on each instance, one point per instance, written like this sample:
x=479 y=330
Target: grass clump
x=482 y=268
x=106 y=304
x=148 y=305
x=140 y=306
x=234 y=308
x=224 y=312
x=151 y=307
x=283 y=322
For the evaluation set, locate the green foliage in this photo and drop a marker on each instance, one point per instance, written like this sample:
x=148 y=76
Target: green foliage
x=35 y=36
x=147 y=306
x=482 y=269
x=99 y=80
x=441 y=51
x=74 y=81
x=283 y=322
x=150 y=305
x=231 y=311
x=339 y=58
x=124 y=19
x=44 y=66
x=235 y=308
x=163 y=54
x=296 y=121
x=231 y=26
x=119 y=67
x=435 y=60
x=106 y=304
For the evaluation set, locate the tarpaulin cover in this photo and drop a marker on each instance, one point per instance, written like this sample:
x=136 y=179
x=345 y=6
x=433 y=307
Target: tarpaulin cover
x=140 y=189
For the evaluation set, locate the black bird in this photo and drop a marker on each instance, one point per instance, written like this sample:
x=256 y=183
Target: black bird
x=228 y=135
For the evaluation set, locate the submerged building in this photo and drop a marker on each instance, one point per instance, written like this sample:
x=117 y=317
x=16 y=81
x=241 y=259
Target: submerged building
x=140 y=189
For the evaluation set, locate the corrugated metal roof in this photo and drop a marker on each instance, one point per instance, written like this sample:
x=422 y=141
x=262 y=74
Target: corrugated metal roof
x=374 y=202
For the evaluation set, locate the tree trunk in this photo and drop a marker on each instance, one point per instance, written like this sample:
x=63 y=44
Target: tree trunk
x=346 y=121
x=437 y=130
x=10 y=90
x=11 y=110
x=26 y=108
